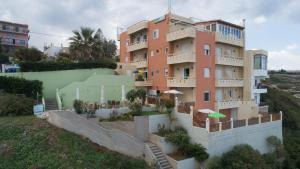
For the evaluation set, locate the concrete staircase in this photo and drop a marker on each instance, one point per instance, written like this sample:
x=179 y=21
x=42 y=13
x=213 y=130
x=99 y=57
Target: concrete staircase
x=50 y=104
x=160 y=156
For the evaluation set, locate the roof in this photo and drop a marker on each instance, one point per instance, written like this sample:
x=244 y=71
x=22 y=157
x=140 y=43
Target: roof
x=222 y=21
x=11 y=23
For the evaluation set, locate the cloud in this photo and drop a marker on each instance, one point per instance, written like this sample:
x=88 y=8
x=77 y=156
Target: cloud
x=284 y=59
x=260 y=19
x=292 y=46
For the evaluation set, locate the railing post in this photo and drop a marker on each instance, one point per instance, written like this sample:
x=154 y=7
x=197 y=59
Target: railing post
x=191 y=110
x=259 y=119
x=220 y=126
x=207 y=125
x=247 y=121
x=231 y=123
x=280 y=115
x=271 y=117
x=176 y=104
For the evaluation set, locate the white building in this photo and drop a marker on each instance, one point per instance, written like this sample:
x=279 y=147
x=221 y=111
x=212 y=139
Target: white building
x=53 y=51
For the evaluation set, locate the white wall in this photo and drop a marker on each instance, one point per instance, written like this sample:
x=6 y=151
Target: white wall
x=155 y=120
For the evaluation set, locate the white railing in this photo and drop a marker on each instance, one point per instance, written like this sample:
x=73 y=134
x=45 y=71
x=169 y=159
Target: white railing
x=232 y=61
x=229 y=39
x=181 y=82
x=143 y=83
x=140 y=63
x=58 y=100
x=239 y=82
x=137 y=45
x=181 y=57
x=189 y=32
x=137 y=27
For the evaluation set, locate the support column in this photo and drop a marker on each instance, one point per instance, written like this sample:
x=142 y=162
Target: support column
x=231 y=123
x=77 y=94
x=271 y=117
x=280 y=115
x=220 y=126
x=207 y=125
x=176 y=104
x=247 y=121
x=259 y=119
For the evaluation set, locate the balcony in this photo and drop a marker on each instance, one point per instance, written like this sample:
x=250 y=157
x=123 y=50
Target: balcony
x=137 y=27
x=181 y=82
x=137 y=46
x=229 y=83
x=231 y=61
x=140 y=64
x=228 y=104
x=228 y=39
x=145 y=83
x=189 y=32
x=260 y=73
x=182 y=57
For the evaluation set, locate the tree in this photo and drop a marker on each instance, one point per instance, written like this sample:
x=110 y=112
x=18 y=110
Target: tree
x=88 y=44
x=3 y=57
x=28 y=55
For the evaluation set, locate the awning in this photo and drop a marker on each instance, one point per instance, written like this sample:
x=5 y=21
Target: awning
x=206 y=111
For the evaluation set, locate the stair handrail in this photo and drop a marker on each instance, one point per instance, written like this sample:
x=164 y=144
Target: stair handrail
x=149 y=151
x=58 y=100
x=44 y=104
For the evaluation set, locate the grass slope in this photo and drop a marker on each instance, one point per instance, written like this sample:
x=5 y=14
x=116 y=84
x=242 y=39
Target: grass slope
x=28 y=142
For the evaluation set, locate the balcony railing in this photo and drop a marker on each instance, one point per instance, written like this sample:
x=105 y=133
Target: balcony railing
x=137 y=27
x=228 y=104
x=145 y=83
x=6 y=41
x=12 y=30
x=229 y=83
x=181 y=82
x=140 y=64
x=137 y=46
x=181 y=57
x=189 y=32
x=231 y=61
x=229 y=39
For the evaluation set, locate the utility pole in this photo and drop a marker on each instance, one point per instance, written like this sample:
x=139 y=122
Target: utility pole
x=169 y=6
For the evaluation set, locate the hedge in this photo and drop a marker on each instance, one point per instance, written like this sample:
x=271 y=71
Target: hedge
x=12 y=105
x=17 y=85
x=53 y=66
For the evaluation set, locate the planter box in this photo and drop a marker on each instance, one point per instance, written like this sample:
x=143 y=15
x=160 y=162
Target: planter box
x=189 y=163
x=165 y=146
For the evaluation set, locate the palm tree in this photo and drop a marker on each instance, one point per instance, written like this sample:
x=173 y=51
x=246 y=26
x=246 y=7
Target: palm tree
x=85 y=43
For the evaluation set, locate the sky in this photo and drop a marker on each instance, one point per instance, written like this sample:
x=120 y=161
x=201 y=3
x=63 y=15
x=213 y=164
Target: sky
x=273 y=25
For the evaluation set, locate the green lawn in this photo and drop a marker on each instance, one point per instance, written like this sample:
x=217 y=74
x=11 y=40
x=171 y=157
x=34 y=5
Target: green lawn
x=28 y=142
x=150 y=113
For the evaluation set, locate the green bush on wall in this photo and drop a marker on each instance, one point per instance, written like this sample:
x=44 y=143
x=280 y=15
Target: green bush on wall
x=53 y=66
x=17 y=85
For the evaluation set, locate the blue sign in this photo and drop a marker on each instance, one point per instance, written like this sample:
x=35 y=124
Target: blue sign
x=38 y=109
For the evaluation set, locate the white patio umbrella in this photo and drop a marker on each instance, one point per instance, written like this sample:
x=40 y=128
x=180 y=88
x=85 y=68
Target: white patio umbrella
x=173 y=92
x=206 y=111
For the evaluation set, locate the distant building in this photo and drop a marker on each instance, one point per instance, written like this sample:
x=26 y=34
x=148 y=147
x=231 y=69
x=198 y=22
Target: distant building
x=13 y=36
x=53 y=51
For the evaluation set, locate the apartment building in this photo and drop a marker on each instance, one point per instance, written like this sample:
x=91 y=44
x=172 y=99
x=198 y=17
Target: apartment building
x=13 y=36
x=206 y=61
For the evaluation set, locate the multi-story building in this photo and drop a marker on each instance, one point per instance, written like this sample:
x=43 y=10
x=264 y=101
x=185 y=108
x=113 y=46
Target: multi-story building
x=203 y=60
x=259 y=73
x=13 y=35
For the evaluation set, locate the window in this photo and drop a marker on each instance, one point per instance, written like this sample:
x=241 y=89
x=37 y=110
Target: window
x=155 y=33
x=213 y=27
x=219 y=52
x=157 y=50
x=166 y=72
x=206 y=49
x=127 y=42
x=186 y=73
x=206 y=72
x=152 y=73
x=17 y=29
x=145 y=38
x=152 y=53
x=260 y=62
x=166 y=50
x=145 y=56
x=207 y=96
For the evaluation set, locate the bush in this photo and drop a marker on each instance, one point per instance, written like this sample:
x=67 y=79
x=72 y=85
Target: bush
x=136 y=107
x=78 y=106
x=131 y=95
x=17 y=85
x=11 y=105
x=197 y=151
x=53 y=66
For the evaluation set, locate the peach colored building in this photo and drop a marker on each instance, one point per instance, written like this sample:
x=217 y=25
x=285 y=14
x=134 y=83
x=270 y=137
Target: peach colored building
x=206 y=61
x=13 y=35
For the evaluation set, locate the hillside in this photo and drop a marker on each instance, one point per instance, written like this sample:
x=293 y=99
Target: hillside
x=281 y=97
x=28 y=142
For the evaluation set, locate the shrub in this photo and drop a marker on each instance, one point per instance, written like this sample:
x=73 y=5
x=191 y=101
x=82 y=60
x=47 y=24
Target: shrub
x=17 y=85
x=197 y=151
x=136 y=107
x=78 y=106
x=162 y=131
x=53 y=66
x=141 y=93
x=11 y=105
x=131 y=95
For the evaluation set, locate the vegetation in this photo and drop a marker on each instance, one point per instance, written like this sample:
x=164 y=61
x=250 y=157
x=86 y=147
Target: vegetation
x=12 y=105
x=136 y=107
x=54 y=65
x=115 y=117
x=16 y=85
x=136 y=93
x=28 y=142
x=27 y=55
x=181 y=139
x=78 y=106
x=3 y=57
x=87 y=44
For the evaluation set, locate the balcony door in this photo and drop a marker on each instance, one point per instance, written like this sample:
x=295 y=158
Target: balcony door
x=219 y=95
x=186 y=73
